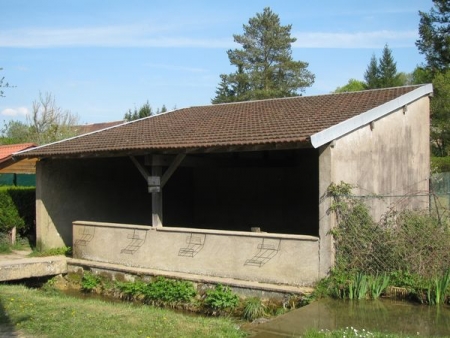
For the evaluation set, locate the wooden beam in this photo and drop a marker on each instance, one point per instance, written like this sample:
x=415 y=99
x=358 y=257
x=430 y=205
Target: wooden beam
x=157 y=205
x=144 y=172
x=173 y=166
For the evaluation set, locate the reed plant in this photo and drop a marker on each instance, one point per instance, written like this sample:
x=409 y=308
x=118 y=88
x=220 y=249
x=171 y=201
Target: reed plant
x=378 y=284
x=438 y=289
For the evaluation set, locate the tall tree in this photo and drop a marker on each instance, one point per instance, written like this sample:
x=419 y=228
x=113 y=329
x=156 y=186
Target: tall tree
x=372 y=74
x=388 y=70
x=434 y=31
x=265 y=68
x=144 y=111
x=14 y=132
x=49 y=122
x=382 y=73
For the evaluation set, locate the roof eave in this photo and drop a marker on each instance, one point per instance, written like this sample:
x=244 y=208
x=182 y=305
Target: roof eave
x=327 y=135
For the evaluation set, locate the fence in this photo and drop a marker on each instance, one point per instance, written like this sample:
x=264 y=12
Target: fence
x=413 y=234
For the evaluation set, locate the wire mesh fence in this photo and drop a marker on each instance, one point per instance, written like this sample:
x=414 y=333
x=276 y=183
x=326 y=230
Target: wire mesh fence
x=412 y=235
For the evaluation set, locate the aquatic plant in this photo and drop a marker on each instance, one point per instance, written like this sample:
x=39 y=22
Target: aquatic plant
x=221 y=298
x=377 y=284
x=437 y=291
x=253 y=309
x=90 y=281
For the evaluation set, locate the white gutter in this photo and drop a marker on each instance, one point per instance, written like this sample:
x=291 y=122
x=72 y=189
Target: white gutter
x=347 y=126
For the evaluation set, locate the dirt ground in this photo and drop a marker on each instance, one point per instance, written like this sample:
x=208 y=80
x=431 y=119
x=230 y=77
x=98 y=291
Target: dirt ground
x=16 y=254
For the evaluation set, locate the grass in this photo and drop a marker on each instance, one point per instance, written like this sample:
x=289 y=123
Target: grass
x=37 y=313
x=6 y=247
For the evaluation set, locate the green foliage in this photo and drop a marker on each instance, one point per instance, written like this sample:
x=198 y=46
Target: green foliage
x=378 y=284
x=144 y=111
x=383 y=73
x=352 y=85
x=61 y=251
x=253 y=309
x=438 y=289
x=440 y=114
x=169 y=291
x=434 y=42
x=440 y=164
x=14 y=132
x=9 y=212
x=221 y=298
x=265 y=68
x=90 y=281
x=132 y=290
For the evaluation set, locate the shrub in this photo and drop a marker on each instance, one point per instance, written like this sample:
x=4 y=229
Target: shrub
x=440 y=164
x=90 y=281
x=253 y=309
x=17 y=209
x=221 y=298
x=169 y=291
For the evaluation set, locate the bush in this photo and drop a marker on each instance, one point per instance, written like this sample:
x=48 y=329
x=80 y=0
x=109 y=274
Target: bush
x=221 y=298
x=17 y=209
x=440 y=164
x=168 y=291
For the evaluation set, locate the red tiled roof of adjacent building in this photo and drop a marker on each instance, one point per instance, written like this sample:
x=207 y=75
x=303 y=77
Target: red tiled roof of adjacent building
x=286 y=122
x=6 y=151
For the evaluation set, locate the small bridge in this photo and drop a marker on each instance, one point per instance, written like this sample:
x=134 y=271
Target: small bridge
x=16 y=268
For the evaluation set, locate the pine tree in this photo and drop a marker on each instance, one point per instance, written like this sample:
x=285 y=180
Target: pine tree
x=388 y=76
x=372 y=74
x=265 y=68
x=434 y=31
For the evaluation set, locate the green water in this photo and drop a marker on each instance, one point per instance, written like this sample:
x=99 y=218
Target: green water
x=382 y=316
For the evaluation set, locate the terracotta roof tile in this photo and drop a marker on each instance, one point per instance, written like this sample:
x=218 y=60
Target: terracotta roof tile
x=265 y=122
x=7 y=150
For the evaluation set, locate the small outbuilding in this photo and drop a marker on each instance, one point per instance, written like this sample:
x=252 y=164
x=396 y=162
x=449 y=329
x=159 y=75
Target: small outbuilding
x=232 y=190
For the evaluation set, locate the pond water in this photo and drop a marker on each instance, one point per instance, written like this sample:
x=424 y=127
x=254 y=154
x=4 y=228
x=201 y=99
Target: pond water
x=381 y=315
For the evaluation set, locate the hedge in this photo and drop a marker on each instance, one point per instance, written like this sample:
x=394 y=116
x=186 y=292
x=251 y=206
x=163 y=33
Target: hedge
x=440 y=164
x=17 y=209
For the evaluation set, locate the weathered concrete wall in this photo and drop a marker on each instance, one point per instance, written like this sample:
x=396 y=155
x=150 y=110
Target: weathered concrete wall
x=389 y=158
x=392 y=158
x=270 y=258
x=276 y=192
x=107 y=190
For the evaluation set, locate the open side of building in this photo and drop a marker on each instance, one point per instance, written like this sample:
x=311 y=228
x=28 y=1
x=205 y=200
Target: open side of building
x=233 y=190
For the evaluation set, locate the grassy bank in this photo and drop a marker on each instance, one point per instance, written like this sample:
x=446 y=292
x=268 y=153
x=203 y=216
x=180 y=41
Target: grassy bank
x=36 y=313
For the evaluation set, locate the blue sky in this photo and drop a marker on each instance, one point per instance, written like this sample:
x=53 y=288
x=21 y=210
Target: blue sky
x=100 y=58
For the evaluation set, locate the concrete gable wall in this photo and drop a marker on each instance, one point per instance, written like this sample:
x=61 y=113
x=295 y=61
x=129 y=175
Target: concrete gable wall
x=391 y=157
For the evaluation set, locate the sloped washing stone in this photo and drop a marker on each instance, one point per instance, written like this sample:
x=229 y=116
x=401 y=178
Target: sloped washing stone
x=32 y=267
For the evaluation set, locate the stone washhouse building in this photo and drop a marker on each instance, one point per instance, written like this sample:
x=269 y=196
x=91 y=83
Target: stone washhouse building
x=230 y=190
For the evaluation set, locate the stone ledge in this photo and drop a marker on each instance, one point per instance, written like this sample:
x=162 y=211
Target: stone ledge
x=32 y=267
x=286 y=289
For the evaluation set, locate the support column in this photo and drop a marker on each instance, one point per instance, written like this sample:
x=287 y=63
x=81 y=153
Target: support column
x=326 y=246
x=157 y=203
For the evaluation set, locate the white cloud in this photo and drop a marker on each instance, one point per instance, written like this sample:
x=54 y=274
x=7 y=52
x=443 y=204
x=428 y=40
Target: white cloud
x=375 y=39
x=15 y=112
x=105 y=36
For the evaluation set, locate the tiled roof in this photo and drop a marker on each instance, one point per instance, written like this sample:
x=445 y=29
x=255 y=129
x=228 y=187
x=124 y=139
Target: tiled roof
x=7 y=150
x=287 y=122
x=89 y=128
